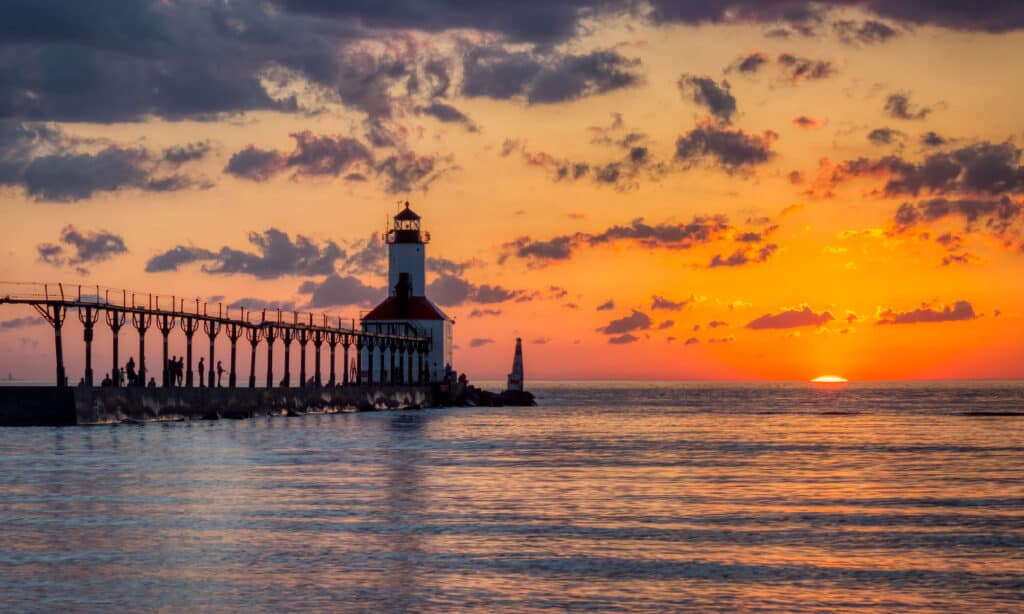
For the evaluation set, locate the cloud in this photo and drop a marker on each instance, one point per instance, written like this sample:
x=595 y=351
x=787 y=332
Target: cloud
x=258 y=304
x=406 y=171
x=705 y=92
x=181 y=154
x=884 y=136
x=633 y=322
x=447 y=114
x=982 y=168
x=717 y=323
x=660 y=302
x=20 y=323
x=666 y=324
x=623 y=339
x=701 y=230
x=958 y=311
x=750 y=63
x=51 y=166
x=324 y=155
x=798 y=69
x=933 y=139
x=867 y=32
x=78 y=248
x=337 y=290
x=744 y=255
x=691 y=341
x=480 y=313
x=449 y=291
x=899 y=106
x=478 y=342
x=496 y=72
x=790 y=318
x=733 y=151
x=804 y=121
x=996 y=216
x=606 y=306
x=276 y=256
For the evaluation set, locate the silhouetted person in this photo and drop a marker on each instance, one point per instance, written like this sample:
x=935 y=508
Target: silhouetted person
x=129 y=368
x=152 y=383
x=107 y=382
x=220 y=372
x=180 y=369
x=121 y=377
x=172 y=370
x=202 y=384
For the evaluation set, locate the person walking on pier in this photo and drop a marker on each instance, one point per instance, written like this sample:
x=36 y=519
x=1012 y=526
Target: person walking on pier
x=179 y=370
x=220 y=372
x=129 y=368
x=120 y=377
x=202 y=383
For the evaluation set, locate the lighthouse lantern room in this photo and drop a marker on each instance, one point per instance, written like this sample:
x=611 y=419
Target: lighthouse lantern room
x=407 y=310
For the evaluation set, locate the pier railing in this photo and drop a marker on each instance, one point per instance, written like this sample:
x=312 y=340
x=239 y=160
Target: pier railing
x=120 y=307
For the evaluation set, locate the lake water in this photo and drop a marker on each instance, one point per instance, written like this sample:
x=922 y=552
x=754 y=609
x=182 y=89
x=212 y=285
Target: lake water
x=612 y=497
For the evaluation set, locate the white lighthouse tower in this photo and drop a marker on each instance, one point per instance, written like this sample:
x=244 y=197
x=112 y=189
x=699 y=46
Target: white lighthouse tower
x=407 y=310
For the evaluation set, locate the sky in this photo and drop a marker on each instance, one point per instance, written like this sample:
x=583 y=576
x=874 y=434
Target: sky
x=639 y=189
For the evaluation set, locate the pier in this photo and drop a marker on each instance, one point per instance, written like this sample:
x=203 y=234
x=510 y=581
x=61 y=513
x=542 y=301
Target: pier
x=397 y=345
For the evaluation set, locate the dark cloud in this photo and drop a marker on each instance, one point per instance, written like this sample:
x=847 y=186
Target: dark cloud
x=449 y=291
x=692 y=341
x=607 y=305
x=745 y=255
x=899 y=106
x=932 y=139
x=791 y=318
x=705 y=92
x=480 y=313
x=798 y=69
x=478 y=342
x=804 y=121
x=313 y=155
x=276 y=256
x=994 y=215
x=660 y=302
x=701 y=230
x=958 y=311
x=884 y=136
x=406 y=171
x=733 y=151
x=20 y=323
x=666 y=324
x=623 y=339
x=496 y=72
x=78 y=248
x=180 y=154
x=867 y=32
x=337 y=290
x=633 y=322
x=717 y=323
x=750 y=63
x=447 y=114
x=983 y=168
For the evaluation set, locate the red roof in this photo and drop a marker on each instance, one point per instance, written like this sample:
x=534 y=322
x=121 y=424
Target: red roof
x=420 y=308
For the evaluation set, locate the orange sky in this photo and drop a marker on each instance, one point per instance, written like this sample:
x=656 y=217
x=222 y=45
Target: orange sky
x=825 y=277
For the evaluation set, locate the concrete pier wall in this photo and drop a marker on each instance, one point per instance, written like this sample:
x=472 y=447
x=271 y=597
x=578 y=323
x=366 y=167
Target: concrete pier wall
x=40 y=406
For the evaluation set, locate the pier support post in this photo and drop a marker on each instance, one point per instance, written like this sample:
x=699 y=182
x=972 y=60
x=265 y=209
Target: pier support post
x=286 y=338
x=409 y=378
x=253 y=335
x=55 y=314
x=212 y=328
x=270 y=335
x=424 y=365
x=345 y=343
x=303 y=340
x=234 y=331
x=189 y=326
x=88 y=317
x=142 y=320
x=360 y=344
x=165 y=323
x=332 y=343
x=383 y=369
x=318 y=340
x=115 y=320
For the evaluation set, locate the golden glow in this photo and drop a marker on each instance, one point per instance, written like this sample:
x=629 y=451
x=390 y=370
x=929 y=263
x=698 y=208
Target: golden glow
x=829 y=379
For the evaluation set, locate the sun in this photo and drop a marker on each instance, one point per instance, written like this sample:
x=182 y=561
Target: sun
x=829 y=379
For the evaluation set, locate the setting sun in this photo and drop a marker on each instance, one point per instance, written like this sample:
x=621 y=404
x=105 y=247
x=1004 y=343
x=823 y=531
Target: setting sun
x=829 y=379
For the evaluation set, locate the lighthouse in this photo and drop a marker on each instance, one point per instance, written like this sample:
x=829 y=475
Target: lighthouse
x=515 y=378
x=407 y=310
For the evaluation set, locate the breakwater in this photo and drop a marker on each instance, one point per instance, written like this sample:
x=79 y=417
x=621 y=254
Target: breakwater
x=51 y=406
